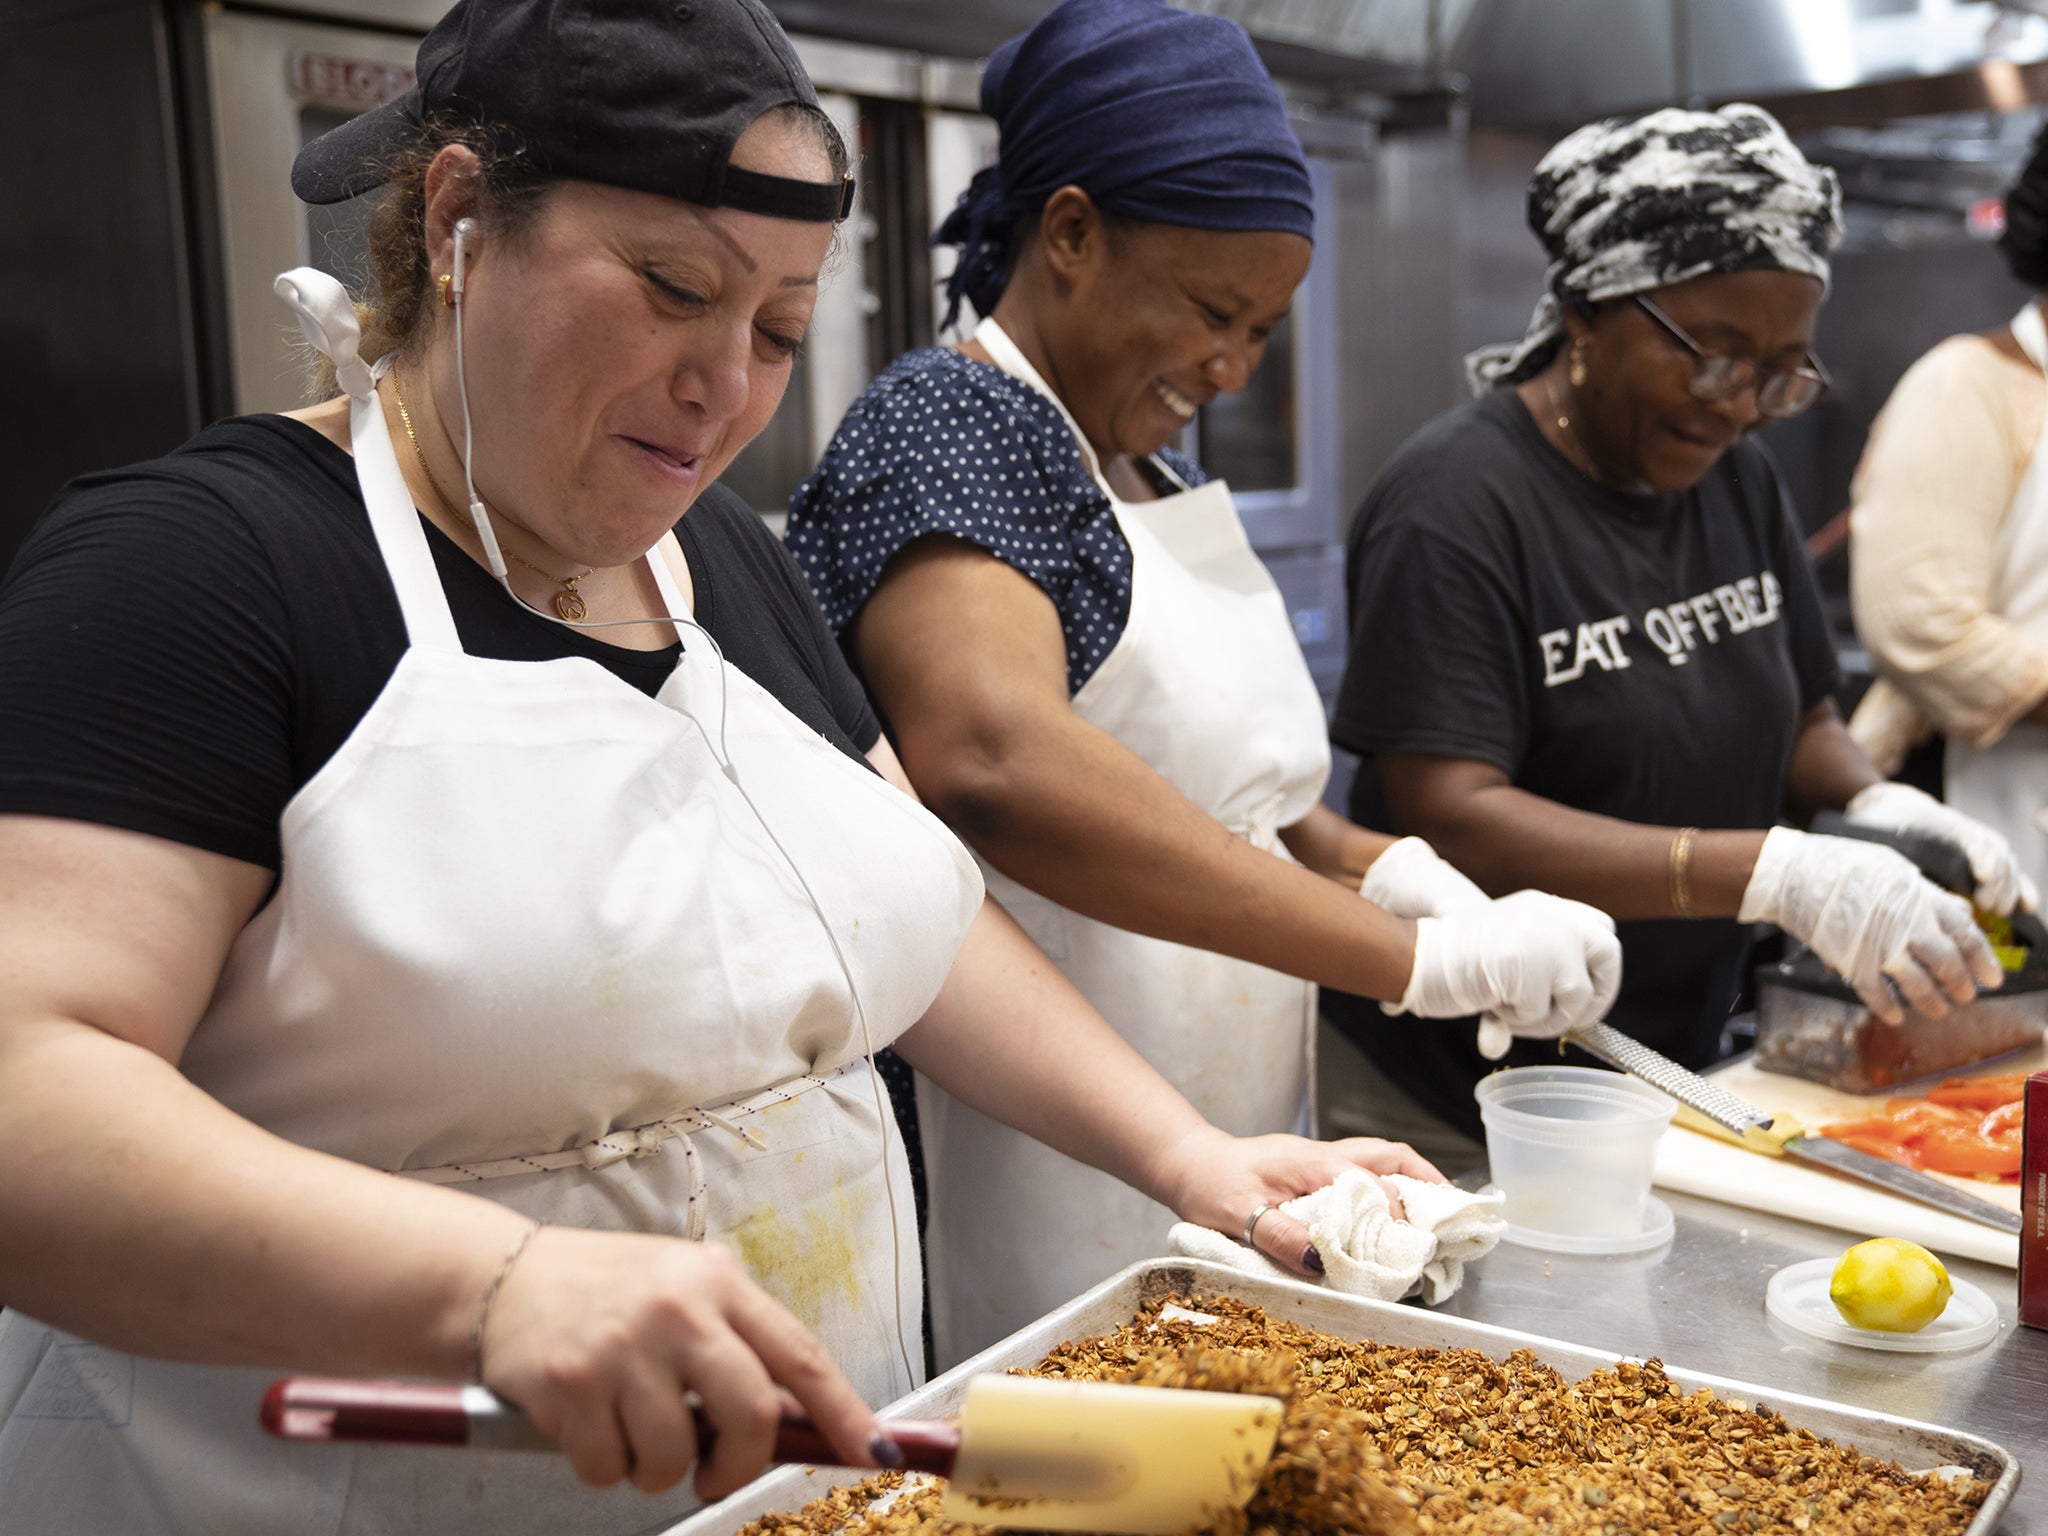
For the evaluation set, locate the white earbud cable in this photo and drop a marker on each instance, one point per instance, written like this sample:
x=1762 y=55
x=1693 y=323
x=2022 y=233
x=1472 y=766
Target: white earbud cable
x=720 y=755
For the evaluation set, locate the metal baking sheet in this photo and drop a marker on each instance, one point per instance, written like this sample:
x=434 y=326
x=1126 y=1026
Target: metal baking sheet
x=1916 y=1447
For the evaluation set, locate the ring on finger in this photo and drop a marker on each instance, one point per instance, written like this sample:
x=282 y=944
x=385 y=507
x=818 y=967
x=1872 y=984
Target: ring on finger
x=1252 y=1223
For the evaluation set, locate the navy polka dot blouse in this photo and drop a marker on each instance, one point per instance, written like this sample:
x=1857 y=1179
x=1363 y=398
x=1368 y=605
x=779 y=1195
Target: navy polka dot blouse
x=942 y=443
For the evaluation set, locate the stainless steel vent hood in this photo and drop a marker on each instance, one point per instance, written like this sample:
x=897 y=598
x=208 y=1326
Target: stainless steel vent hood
x=1551 y=64
x=1368 y=45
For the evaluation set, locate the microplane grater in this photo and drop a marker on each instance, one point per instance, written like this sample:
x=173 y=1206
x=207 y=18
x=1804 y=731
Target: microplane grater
x=1730 y=1111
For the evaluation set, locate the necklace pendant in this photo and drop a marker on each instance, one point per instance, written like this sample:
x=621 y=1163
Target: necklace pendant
x=569 y=605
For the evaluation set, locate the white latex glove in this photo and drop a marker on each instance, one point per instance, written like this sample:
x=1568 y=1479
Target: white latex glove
x=1870 y=914
x=2001 y=884
x=1534 y=965
x=1410 y=880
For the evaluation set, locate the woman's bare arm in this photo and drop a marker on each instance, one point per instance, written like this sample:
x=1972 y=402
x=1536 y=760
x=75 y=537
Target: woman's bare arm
x=141 y=1213
x=966 y=658
x=258 y=1251
x=1827 y=769
x=1334 y=846
x=1013 y=1038
x=1508 y=839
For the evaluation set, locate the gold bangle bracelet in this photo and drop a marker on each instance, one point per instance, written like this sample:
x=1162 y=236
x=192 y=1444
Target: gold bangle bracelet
x=1681 y=870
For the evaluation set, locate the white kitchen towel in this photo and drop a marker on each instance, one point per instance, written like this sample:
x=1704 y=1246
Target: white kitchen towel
x=1367 y=1251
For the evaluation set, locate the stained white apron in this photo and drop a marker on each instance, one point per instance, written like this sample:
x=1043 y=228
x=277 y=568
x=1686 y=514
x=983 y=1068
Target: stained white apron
x=522 y=912
x=2005 y=784
x=1207 y=684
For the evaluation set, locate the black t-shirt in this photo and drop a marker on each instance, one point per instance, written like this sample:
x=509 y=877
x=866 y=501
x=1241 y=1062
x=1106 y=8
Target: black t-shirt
x=185 y=642
x=1648 y=658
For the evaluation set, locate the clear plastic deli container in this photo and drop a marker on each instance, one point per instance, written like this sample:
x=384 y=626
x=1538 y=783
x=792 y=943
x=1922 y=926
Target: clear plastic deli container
x=1573 y=1150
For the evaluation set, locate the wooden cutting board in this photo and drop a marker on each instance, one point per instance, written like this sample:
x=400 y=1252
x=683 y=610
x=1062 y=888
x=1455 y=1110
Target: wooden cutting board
x=1697 y=1164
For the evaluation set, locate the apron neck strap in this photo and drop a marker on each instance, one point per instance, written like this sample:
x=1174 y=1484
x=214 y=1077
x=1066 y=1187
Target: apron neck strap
x=671 y=594
x=328 y=317
x=1009 y=357
x=2032 y=334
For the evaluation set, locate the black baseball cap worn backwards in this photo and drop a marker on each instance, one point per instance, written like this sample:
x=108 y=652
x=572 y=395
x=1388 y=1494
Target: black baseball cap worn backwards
x=650 y=95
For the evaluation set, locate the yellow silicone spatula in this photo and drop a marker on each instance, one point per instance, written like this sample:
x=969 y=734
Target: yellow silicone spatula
x=1026 y=1452
x=1086 y=1456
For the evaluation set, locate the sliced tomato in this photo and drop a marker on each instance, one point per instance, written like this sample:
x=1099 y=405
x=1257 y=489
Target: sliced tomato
x=1914 y=1119
x=1966 y=1153
x=1980 y=1093
x=1876 y=1146
x=2006 y=1120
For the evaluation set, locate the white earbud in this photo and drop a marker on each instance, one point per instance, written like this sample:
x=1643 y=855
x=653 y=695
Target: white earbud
x=464 y=228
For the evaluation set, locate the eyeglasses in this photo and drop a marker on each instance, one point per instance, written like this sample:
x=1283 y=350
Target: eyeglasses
x=1781 y=393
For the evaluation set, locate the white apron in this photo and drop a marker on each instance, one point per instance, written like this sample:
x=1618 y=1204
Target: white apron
x=1207 y=684
x=2005 y=784
x=522 y=911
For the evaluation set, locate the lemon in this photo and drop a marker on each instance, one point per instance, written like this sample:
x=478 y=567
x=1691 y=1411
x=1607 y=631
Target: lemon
x=1890 y=1285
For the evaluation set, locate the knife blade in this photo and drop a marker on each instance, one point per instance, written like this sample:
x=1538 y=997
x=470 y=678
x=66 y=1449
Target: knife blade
x=1823 y=1152
x=1716 y=1110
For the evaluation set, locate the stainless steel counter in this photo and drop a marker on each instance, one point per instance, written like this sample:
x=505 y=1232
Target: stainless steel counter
x=1698 y=1302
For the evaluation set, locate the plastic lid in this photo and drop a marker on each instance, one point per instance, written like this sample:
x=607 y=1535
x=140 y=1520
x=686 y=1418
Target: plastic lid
x=1657 y=1229
x=1798 y=1297
x=1576 y=1107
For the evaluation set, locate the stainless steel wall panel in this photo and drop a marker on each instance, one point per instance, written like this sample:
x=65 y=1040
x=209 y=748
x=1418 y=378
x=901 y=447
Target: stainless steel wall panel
x=95 y=308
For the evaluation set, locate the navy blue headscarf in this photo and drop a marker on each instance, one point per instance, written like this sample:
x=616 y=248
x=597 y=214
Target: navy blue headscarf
x=1157 y=114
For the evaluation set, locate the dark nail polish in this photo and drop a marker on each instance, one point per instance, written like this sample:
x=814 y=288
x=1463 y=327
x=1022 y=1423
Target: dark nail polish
x=1311 y=1260
x=882 y=1447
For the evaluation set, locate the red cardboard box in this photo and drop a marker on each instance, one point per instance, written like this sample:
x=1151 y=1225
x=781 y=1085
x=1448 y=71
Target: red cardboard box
x=2034 y=1205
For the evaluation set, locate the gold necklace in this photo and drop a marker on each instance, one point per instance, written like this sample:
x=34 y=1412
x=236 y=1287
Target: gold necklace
x=568 y=603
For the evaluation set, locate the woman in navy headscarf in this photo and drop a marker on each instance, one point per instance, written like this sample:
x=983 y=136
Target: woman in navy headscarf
x=1087 y=671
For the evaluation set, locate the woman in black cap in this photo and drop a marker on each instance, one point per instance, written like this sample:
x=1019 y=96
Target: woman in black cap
x=1587 y=653
x=403 y=794
x=1088 y=672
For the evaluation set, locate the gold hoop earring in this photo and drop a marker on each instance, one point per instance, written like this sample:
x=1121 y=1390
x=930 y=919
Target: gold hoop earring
x=1578 y=367
x=445 y=284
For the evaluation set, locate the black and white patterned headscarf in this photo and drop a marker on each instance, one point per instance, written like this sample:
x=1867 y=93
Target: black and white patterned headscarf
x=1631 y=204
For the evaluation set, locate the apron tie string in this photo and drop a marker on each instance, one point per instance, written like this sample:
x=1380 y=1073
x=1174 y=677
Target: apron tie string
x=745 y=1133
x=1260 y=826
x=328 y=317
x=646 y=1140
x=635 y=1141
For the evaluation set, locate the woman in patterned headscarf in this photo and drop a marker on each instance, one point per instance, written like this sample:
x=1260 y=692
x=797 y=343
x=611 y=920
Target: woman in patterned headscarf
x=1587 y=653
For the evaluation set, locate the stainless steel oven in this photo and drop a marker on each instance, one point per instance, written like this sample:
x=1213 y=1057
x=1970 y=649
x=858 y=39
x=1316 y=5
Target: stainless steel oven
x=276 y=84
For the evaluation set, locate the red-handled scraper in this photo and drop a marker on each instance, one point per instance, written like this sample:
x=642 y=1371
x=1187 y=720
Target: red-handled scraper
x=1026 y=1452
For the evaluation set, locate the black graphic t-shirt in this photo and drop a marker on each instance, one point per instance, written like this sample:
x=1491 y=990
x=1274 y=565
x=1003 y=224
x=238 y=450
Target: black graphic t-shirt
x=1647 y=658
